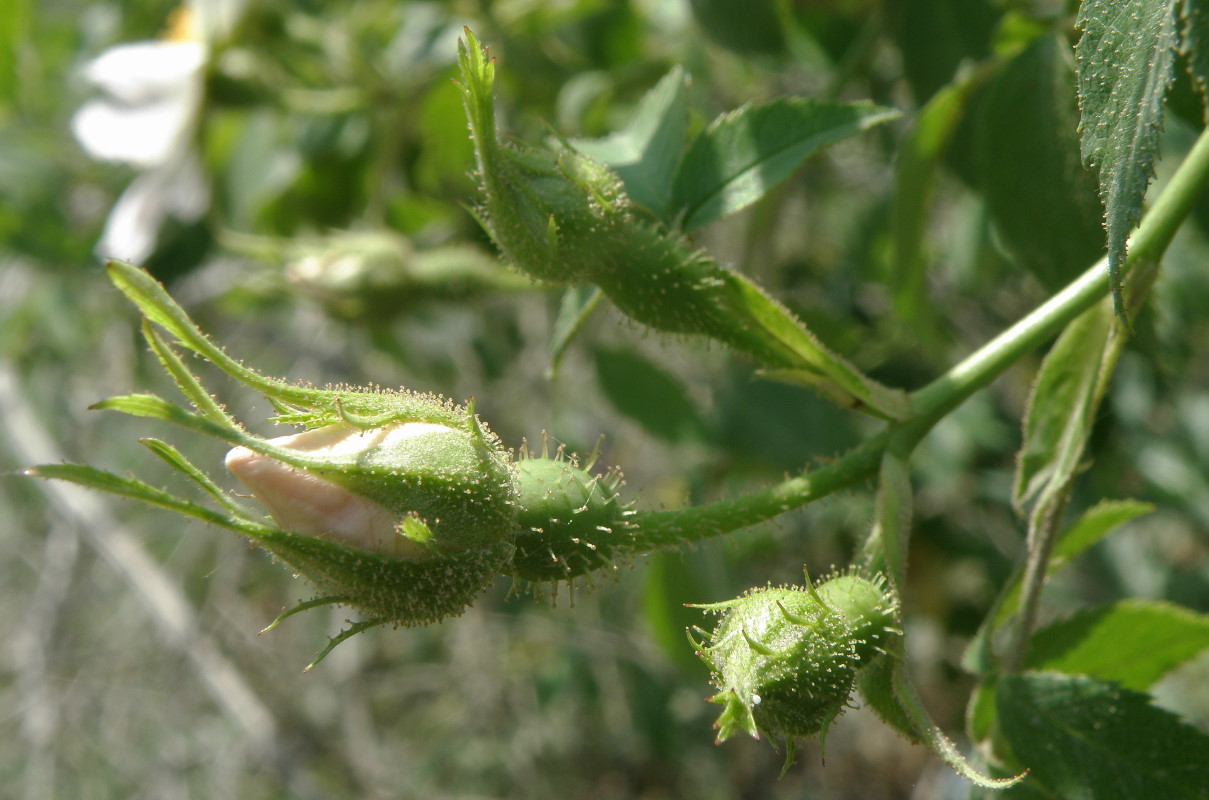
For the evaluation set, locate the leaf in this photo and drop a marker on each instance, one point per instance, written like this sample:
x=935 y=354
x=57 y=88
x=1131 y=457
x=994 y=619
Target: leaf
x=577 y=306
x=934 y=37
x=1048 y=213
x=1086 y=740
x=914 y=178
x=175 y=459
x=646 y=152
x=743 y=154
x=94 y=478
x=1092 y=526
x=648 y=394
x=1126 y=59
x=1131 y=642
x=813 y=365
x=186 y=381
x=1194 y=42
x=1062 y=406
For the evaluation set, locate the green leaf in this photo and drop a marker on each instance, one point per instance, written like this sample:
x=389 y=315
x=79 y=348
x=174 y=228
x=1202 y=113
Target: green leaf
x=132 y=488
x=813 y=365
x=1086 y=740
x=647 y=151
x=1063 y=403
x=915 y=170
x=577 y=306
x=186 y=381
x=934 y=37
x=750 y=28
x=175 y=459
x=648 y=394
x=1131 y=642
x=1048 y=212
x=1126 y=57
x=1092 y=526
x=743 y=154
x=1194 y=42
x=158 y=307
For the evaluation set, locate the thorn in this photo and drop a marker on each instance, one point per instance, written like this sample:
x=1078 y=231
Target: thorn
x=759 y=647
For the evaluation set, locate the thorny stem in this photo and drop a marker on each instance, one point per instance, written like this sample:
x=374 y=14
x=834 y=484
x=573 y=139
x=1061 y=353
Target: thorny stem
x=940 y=397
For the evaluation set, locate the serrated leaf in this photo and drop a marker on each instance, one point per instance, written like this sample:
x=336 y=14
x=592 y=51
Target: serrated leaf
x=743 y=154
x=1048 y=213
x=1194 y=41
x=1126 y=57
x=1063 y=403
x=1092 y=526
x=648 y=394
x=1131 y=642
x=1086 y=740
x=646 y=152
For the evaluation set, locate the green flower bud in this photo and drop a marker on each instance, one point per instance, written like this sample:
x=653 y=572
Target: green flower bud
x=407 y=522
x=571 y=522
x=786 y=659
x=564 y=218
x=398 y=504
x=358 y=486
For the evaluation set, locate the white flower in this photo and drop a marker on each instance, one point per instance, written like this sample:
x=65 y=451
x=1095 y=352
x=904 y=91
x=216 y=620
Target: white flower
x=147 y=117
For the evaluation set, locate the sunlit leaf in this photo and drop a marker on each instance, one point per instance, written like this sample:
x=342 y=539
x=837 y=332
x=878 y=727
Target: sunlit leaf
x=1126 y=58
x=1131 y=642
x=743 y=154
x=646 y=152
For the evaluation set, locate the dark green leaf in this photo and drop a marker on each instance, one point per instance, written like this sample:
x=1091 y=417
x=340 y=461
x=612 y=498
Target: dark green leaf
x=576 y=308
x=646 y=152
x=1044 y=203
x=1131 y=642
x=751 y=27
x=936 y=36
x=1195 y=45
x=1062 y=406
x=745 y=153
x=1086 y=740
x=1125 y=64
x=646 y=393
x=914 y=177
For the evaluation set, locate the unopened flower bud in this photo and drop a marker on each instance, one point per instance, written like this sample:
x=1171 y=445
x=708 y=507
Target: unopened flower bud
x=359 y=486
x=786 y=659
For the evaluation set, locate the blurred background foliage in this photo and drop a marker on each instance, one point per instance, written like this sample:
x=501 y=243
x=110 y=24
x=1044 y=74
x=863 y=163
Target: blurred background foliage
x=328 y=238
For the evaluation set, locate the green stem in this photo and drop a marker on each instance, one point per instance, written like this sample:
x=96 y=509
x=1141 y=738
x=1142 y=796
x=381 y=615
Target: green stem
x=940 y=397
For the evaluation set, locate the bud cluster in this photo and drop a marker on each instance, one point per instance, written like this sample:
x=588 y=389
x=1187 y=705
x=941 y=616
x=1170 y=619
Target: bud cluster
x=399 y=504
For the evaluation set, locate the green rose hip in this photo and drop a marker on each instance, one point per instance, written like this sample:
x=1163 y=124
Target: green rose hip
x=786 y=659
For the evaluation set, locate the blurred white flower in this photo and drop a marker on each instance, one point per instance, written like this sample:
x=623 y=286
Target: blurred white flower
x=146 y=117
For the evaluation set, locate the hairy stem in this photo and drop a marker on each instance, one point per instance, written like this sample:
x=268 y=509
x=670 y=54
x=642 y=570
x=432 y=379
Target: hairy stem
x=940 y=397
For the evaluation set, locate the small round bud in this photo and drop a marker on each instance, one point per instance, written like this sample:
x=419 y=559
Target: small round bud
x=786 y=659
x=571 y=522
